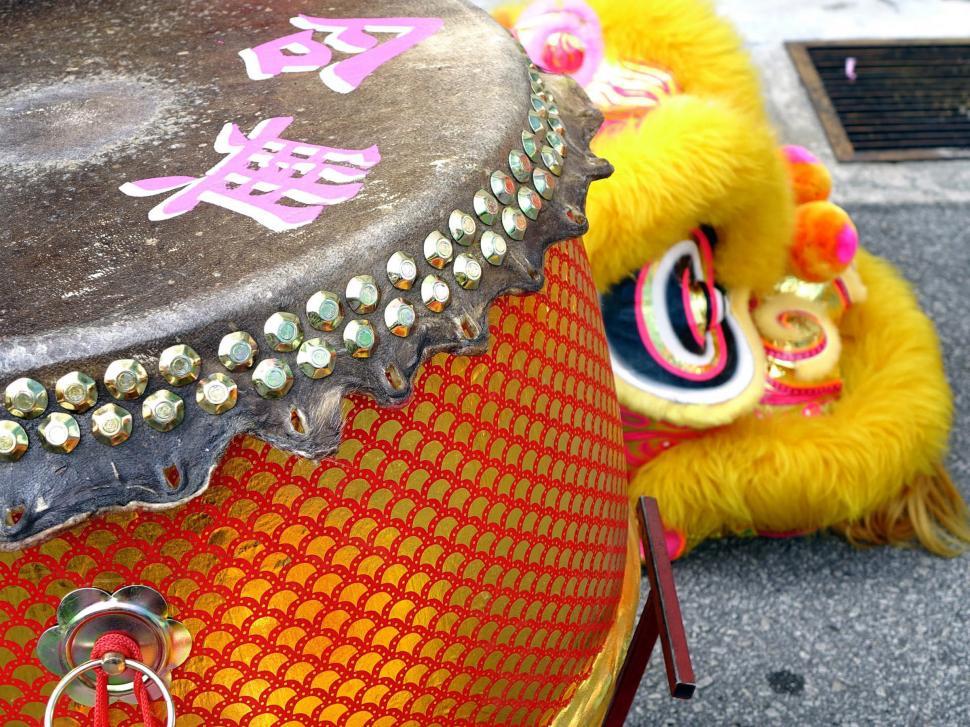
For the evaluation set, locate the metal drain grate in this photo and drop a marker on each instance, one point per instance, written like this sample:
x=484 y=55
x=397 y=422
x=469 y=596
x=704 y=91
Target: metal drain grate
x=890 y=100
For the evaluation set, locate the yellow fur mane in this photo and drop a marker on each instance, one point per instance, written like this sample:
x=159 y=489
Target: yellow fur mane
x=870 y=466
x=705 y=156
x=849 y=468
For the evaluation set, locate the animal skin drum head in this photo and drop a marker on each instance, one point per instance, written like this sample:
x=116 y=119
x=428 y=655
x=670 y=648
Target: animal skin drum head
x=302 y=413
x=223 y=217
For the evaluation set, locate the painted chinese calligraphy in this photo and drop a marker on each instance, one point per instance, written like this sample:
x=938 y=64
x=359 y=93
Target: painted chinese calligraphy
x=299 y=52
x=279 y=183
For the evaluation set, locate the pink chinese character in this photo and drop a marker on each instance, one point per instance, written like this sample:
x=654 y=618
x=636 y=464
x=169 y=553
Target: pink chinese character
x=279 y=183
x=299 y=52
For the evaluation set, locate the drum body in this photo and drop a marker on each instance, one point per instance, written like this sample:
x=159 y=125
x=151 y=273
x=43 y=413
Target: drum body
x=463 y=559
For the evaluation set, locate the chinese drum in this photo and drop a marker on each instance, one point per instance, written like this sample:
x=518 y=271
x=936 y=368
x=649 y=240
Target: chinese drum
x=309 y=416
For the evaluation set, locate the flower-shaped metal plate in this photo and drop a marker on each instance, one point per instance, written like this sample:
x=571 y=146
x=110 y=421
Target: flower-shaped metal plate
x=87 y=614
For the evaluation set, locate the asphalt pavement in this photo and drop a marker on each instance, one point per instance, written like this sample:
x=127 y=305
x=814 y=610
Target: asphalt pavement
x=812 y=631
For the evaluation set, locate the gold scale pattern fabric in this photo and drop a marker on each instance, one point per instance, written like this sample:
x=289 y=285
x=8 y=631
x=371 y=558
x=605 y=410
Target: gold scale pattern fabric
x=463 y=559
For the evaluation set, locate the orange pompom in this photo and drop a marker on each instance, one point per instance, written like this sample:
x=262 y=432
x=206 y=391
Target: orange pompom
x=810 y=180
x=825 y=241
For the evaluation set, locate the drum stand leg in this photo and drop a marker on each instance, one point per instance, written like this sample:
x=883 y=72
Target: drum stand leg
x=660 y=618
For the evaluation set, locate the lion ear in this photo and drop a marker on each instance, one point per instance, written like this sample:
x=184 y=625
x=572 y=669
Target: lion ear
x=810 y=179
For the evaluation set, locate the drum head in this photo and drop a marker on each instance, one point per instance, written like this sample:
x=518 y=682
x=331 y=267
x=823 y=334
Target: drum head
x=176 y=173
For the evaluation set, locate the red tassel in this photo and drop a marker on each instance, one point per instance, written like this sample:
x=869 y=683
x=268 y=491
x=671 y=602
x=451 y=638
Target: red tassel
x=129 y=648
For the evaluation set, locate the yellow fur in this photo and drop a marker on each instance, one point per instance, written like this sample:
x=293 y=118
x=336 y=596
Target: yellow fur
x=789 y=472
x=691 y=161
x=871 y=466
x=929 y=511
x=704 y=53
x=507 y=14
x=707 y=156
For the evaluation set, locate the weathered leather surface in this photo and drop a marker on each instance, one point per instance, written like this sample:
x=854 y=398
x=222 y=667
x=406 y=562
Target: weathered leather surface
x=100 y=93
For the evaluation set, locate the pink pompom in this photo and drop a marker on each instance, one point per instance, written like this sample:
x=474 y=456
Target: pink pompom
x=799 y=155
x=562 y=36
x=847 y=243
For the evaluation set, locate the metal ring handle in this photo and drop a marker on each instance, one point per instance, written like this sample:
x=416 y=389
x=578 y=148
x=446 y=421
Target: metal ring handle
x=94 y=664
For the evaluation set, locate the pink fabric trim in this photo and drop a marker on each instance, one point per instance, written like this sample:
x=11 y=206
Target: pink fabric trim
x=843 y=292
x=655 y=354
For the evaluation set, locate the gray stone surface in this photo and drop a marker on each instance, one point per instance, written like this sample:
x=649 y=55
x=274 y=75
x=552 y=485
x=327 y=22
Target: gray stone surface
x=812 y=631
x=767 y=24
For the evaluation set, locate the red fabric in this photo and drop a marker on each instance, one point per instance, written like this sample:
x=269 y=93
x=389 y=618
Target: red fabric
x=126 y=646
x=458 y=562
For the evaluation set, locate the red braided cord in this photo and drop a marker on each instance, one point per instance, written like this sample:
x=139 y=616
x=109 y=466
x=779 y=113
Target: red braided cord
x=126 y=646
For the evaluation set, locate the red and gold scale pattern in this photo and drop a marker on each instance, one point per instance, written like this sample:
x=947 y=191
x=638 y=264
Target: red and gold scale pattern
x=459 y=560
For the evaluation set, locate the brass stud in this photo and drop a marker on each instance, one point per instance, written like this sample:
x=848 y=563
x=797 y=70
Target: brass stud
x=273 y=378
x=111 y=425
x=557 y=142
x=468 y=271
x=530 y=145
x=536 y=123
x=494 y=248
x=362 y=294
x=486 y=207
x=402 y=271
x=76 y=392
x=238 y=351
x=125 y=379
x=59 y=433
x=282 y=332
x=399 y=316
x=438 y=250
x=462 y=227
x=316 y=358
x=325 y=311
x=529 y=202
x=25 y=398
x=13 y=441
x=545 y=183
x=552 y=160
x=179 y=365
x=520 y=165
x=503 y=187
x=163 y=410
x=514 y=223
x=360 y=338
x=556 y=125
x=435 y=293
x=216 y=394
x=540 y=107
x=544 y=95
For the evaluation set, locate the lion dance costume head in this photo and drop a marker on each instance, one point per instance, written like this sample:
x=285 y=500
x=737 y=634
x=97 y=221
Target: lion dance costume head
x=775 y=378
